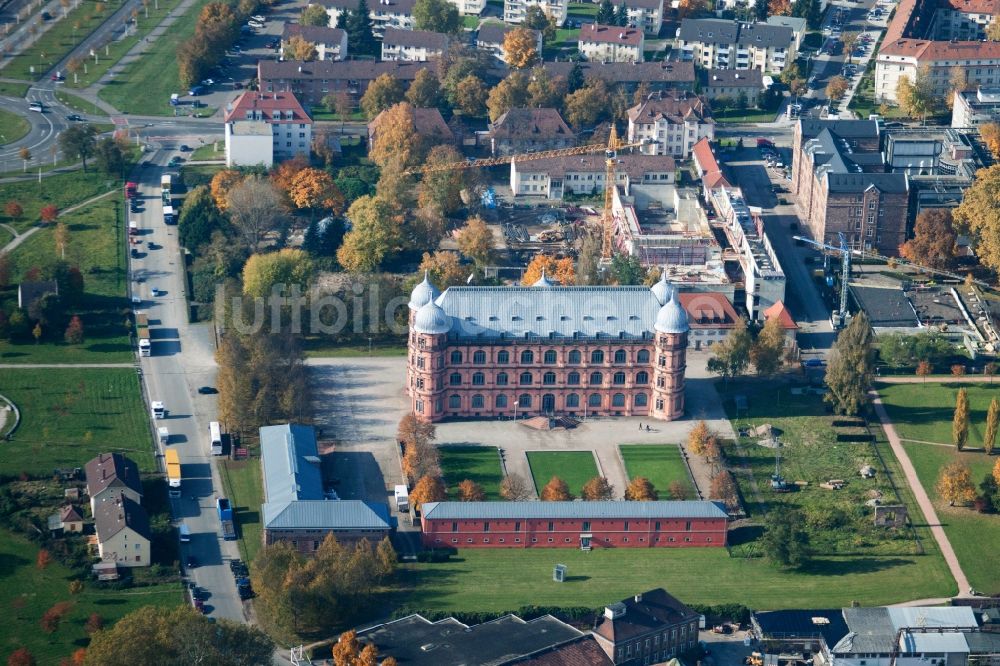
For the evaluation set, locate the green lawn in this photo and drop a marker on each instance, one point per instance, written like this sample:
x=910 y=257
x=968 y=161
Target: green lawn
x=12 y=127
x=59 y=40
x=744 y=116
x=5 y=237
x=662 y=465
x=243 y=486
x=209 y=152
x=69 y=415
x=573 y=467
x=505 y=579
x=973 y=535
x=11 y=89
x=321 y=347
x=144 y=86
x=582 y=10
x=95 y=247
x=838 y=520
x=27 y=592
x=470 y=22
x=479 y=463
x=148 y=18
x=924 y=411
x=62 y=191
x=79 y=104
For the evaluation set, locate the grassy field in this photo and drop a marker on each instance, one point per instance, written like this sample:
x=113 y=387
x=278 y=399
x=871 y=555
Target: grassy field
x=744 y=116
x=11 y=89
x=573 y=467
x=27 y=592
x=94 y=247
x=12 y=127
x=243 y=486
x=79 y=104
x=973 y=535
x=923 y=411
x=5 y=236
x=147 y=19
x=209 y=152
x=59 y=39
x=502 y=579
x=838 y=520
x=62 y=191
x=320 y=348
x=662 y=465
x=144 y=86
x=69 y=415
x=479 y=463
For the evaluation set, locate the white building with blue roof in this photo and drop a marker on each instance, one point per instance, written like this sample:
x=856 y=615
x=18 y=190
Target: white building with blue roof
x=546 y=349
x=295 y=506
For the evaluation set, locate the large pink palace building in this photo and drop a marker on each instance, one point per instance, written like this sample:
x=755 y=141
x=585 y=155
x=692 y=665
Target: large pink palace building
x=487 y=352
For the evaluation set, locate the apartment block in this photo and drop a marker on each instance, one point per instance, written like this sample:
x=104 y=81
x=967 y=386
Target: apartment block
x=721 y=44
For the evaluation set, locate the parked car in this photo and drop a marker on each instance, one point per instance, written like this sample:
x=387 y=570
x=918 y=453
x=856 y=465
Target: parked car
x=207 y=390
x=76 y=118
x=184 y=148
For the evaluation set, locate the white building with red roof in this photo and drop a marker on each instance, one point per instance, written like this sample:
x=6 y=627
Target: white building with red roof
x=779 y=310
x=266 y=127
x=610 y=43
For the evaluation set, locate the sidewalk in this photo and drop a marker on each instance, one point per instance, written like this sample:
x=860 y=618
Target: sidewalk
x=926 y=506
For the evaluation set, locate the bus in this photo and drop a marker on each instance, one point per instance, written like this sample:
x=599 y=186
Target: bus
x=215 y=438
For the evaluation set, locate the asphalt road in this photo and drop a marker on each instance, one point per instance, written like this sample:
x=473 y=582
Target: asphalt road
x=173 y=378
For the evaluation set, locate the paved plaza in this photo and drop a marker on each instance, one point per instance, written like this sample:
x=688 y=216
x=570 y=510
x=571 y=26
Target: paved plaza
x=359 y=402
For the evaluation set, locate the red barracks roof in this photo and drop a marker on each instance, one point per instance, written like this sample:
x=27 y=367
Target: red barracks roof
x=254 y=105
x=708 y=310
x=781 y=312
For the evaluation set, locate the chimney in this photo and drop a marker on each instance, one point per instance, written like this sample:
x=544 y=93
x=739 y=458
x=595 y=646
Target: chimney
x=638 y=598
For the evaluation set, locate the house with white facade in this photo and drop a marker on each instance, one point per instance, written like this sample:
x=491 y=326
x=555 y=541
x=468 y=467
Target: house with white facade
x=731 y=84
x=609 y=43
x=671 y=123
x=384 y=13
x=722 y=44
x=555 y=177
x=975 y=107
x=647 y=15
x=330 y=43
x=798 y=26
x=262 y=128
x=413 y=45
x=514 y=11
x=491 y=35
x=123 y=533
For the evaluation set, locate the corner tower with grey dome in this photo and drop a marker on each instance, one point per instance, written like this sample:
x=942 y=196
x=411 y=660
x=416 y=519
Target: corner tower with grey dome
x=490 y=352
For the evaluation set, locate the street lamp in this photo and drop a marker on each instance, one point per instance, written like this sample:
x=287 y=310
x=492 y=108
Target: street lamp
x=517 y=401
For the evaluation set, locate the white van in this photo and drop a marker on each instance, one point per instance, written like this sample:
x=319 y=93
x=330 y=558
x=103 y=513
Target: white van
x=144 y=347
x=163 y=434
x=157 y=410
x=185 y=532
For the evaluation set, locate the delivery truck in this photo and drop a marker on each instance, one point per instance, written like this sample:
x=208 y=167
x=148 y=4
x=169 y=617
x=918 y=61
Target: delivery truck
x=226 y=518
x=173 y=472
x=402 y=499
x=157 y=410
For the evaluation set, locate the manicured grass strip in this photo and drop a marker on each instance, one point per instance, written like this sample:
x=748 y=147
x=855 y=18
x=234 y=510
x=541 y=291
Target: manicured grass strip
x=242 y=483
x=69 y=415
x=10 y=89
x=924 y=411
x=144 y=85
x=662 y=465
x=117 y=50
x=502 y=579
x=478 y=463
x=321 y=348
x=12 y=127
x=61 y=191
x=209 y=152
x=5 y=237
x=573 y=467
x=79 y=104
x=27 y=592
x=59 y=39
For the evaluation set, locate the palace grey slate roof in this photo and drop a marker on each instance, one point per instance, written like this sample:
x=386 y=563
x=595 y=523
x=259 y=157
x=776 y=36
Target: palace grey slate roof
x=570 y=510
x=325 y=514
x=291 y=463
x=513 y=312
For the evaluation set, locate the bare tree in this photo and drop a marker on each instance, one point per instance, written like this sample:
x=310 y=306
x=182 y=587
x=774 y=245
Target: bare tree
x=256 y=208
x=514 y=488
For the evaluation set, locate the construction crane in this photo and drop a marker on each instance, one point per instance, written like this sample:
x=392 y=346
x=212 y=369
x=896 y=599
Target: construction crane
x=610 y=150
x=839 y=317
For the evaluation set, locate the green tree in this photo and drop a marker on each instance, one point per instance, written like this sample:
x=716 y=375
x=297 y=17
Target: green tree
x=199 y=218
x=323 y=237
x=79 y=141
x=785 y=539
x=621 y=16
x=848 y=375
x=152 y=635
x=934 y=239
x=384 y=92
x=627 y=269
x=992 y=424
x=960 y=420
x=284 y=268
x=437 y=16
x=588 y=105
x=732 y=355
x=605 y=13
x=768 y=348
x=470 y=96
x=425 y=90
x=442 y=189
x=374 y=235
x=509 y=94
x=360 y=38
x=536 y=19
x=314 y=15
x=917 y=98
x=108 y=156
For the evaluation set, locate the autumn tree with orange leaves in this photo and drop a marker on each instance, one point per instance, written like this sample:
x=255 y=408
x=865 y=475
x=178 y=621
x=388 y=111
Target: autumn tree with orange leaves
x=560 y=270
x=314 y=189
x=556 y=490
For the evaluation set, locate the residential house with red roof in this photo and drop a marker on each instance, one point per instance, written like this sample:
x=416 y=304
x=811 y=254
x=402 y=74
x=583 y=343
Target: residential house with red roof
x=711 y=317
x=610 y=43
x=266 y=127
x=785 y=317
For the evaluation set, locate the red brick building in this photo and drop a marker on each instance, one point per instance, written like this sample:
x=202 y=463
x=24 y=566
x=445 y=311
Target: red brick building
x=586 y=525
